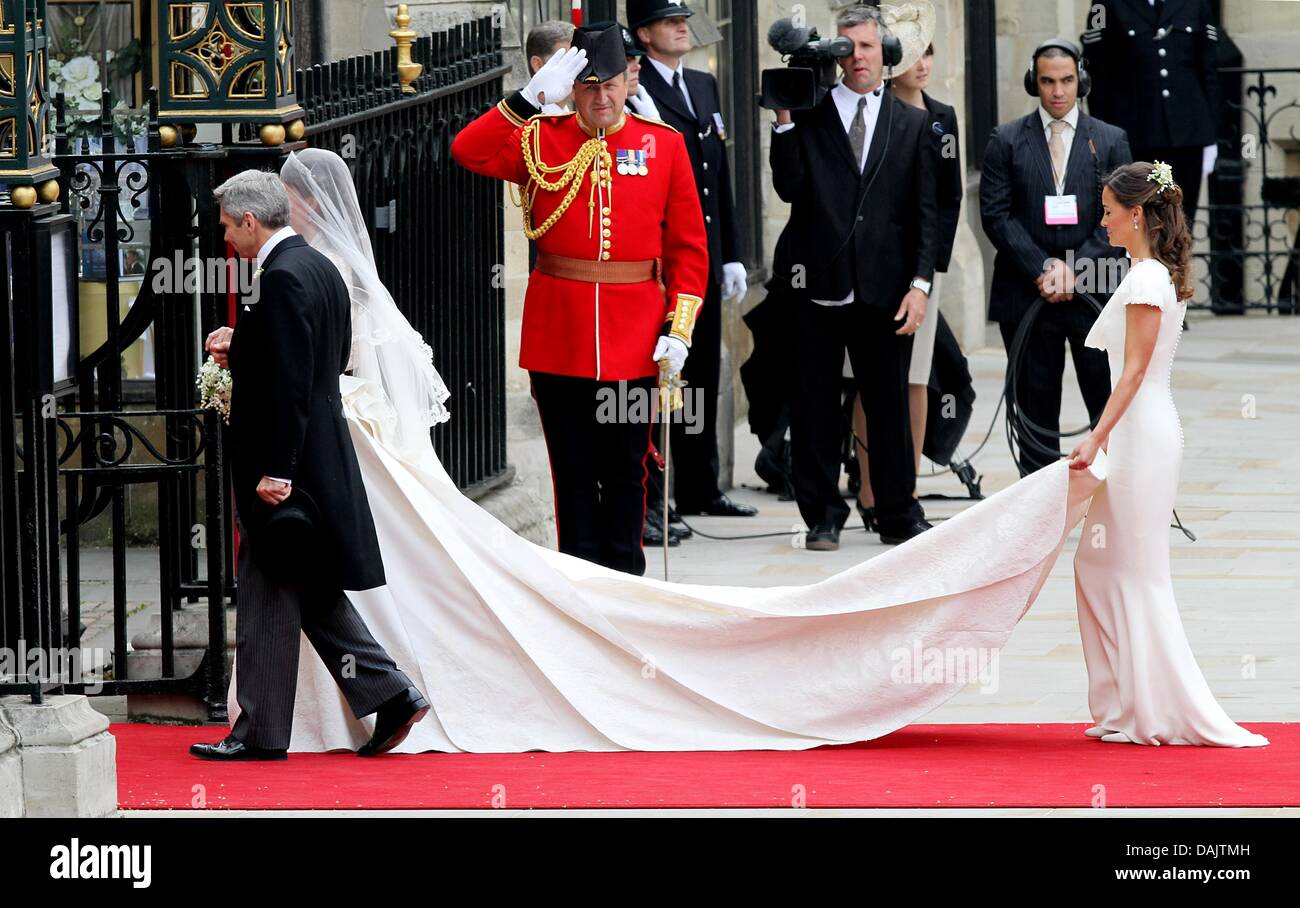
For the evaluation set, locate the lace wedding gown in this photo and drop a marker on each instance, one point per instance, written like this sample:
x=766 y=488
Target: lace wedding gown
x=518 y=647
x=1143 y=680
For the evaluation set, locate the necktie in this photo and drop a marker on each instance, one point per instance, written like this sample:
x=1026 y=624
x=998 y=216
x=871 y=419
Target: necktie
x=679 y=87
x=1056 y=146
x=858 y=131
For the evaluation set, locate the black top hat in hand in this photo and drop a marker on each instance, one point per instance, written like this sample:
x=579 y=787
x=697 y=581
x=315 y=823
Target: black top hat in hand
x=643 y=12
x=287 y=539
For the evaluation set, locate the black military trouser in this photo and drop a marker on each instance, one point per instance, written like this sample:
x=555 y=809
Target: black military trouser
x=597 y=465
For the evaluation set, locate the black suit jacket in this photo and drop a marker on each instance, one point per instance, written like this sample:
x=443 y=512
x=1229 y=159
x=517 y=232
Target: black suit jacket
x=286 y=416
x=1016 y=178
x=950 y=179
x=1153 y=73
x=708 y=154
x=896 y=231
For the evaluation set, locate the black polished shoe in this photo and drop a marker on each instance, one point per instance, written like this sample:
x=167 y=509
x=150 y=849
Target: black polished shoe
x=231 y=749
x=676 y=526
x=868 y=515
x=393 y=722
x=722 y=506
x=905 y=532
x=825 y=537
x=652 y=533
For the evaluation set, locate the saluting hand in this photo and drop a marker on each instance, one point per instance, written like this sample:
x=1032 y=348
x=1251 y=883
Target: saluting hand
x=554 y=81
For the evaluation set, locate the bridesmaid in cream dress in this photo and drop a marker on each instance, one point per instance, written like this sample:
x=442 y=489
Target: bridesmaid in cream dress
x=1144 y=686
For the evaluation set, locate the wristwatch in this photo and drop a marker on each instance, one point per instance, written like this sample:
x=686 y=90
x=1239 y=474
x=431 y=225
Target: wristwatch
x=921 y=284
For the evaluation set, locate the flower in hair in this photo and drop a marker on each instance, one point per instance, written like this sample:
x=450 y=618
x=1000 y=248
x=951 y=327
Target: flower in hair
x=1163 y=175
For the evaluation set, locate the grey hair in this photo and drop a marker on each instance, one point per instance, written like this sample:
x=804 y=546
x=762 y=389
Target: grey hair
x=259 y=193
x=860 y=15
x=542 y=39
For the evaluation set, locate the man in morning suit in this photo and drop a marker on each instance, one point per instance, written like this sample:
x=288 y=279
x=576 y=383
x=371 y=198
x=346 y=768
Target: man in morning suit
x=295 y=476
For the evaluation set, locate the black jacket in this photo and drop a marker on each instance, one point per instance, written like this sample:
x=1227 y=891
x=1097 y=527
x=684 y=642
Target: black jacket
x=1016 y=178
x=708 y=154
x=896 y=230
x=286 y=417
x=1153 y=73
x=950 y=178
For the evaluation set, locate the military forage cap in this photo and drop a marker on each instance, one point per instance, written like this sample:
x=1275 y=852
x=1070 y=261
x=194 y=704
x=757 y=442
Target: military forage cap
x=605 y=55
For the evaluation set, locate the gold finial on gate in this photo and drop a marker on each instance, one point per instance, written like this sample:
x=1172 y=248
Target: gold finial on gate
x=404 y=35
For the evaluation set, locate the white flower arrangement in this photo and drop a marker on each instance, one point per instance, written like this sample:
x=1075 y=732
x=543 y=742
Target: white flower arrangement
x=214 y=388
x=79 y=80
x=1162 y=175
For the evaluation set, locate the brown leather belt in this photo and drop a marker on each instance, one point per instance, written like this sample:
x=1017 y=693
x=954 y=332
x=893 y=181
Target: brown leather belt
x=598 y=272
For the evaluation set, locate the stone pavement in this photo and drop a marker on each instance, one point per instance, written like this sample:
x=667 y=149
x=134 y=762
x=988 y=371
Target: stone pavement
x=1237 y=389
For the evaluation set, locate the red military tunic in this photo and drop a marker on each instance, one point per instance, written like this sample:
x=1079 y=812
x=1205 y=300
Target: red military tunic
x=604 y=331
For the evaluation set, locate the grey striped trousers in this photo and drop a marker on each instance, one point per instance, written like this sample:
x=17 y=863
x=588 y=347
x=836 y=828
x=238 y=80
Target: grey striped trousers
x=269 y=616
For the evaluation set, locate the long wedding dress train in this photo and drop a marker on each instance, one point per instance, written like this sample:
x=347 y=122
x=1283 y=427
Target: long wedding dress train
x=519 y=647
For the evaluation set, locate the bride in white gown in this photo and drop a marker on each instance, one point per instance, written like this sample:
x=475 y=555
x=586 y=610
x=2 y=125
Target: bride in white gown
x=519 y=647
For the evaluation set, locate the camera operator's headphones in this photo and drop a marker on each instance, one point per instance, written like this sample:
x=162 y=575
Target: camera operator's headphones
x=891 y=49
x=1031 y=74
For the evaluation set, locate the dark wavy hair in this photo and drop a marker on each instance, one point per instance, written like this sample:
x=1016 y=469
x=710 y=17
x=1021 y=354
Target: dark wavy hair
x=1171 y=240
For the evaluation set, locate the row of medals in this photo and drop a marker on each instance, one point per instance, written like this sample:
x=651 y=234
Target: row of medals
x=632 y=163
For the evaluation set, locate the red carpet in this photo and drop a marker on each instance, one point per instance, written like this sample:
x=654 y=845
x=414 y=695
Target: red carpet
x=919 y=766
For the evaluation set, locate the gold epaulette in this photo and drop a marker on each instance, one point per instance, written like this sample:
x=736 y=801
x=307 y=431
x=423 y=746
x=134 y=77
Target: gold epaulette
x=633 y=113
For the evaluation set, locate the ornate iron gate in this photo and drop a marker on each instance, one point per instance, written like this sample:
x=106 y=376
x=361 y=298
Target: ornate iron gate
x=73 y=446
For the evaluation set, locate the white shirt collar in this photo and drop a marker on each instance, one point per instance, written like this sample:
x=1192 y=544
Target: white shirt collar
x=846 y=99
x=1072 y=117
x=272 y=241
x=665 y=70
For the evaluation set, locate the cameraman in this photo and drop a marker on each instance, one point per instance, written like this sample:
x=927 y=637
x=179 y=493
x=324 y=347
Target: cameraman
x=856 y=258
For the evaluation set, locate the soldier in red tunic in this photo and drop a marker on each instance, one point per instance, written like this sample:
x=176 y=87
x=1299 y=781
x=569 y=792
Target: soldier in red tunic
x=621 y=273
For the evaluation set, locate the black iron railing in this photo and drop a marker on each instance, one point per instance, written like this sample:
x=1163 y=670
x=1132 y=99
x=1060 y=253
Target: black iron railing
x=1248 y=232
x=72 y=445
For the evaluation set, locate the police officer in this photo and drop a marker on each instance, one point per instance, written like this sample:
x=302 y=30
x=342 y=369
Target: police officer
x=687 y=99
x=1153 y=75
x=619 y=281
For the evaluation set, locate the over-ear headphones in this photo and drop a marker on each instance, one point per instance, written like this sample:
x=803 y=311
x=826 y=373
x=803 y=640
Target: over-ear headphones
x=891 y=48
x=1031 y=74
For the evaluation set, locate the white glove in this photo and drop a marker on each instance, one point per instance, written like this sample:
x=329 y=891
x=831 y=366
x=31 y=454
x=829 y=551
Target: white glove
x=1209 y=154
x=675 y=351
x=554 y=81
x=735 y=280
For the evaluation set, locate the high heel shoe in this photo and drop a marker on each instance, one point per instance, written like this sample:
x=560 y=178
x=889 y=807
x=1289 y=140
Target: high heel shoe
x=868 y=515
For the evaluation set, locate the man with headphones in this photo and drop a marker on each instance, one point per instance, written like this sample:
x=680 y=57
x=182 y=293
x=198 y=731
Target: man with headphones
x=853 y=267
x=1040 y=203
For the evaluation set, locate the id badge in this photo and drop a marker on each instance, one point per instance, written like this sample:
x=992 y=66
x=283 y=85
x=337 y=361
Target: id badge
x=1061 y=209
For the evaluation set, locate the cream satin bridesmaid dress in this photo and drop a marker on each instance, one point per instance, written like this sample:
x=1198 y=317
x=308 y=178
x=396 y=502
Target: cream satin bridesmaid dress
x=1144 y=685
